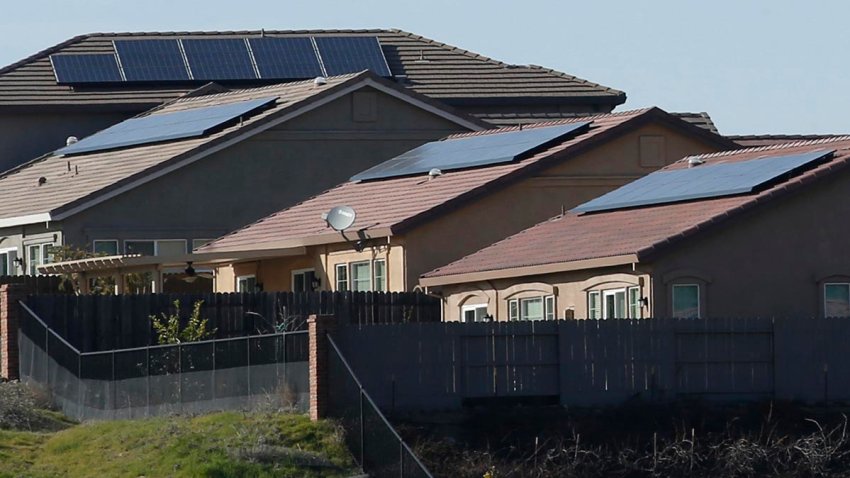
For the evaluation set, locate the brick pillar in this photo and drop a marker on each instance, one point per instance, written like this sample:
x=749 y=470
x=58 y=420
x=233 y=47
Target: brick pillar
x=318 y=327
x=10 y=316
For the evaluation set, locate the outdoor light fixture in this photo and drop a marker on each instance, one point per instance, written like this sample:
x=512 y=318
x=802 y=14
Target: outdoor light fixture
x=315 y=283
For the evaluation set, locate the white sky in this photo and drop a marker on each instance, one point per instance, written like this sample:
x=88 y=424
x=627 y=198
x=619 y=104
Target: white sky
x=755 y=66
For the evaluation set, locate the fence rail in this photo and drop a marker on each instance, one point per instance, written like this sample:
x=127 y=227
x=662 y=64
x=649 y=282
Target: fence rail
x=107 y=322
x=379 y=449
x=591 y=362
x=147 y=381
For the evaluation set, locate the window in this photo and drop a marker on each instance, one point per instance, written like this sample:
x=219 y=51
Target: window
x=686 y=301
x=614 y=304
x=836 y=300
x=532 y=308
x=246 y=284
x=159 y=247
x=474 y=313
x=196 y=243
x=38 y=254
x=341 y=277
x=361 y=276
x=594 y=311
x=105 y=248
x=7 y=262
x=380 y=270
x=302 y=280
x=634 y=303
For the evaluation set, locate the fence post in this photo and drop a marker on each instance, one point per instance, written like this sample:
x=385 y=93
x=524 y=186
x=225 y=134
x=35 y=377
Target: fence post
x=318 y=327
x=10 y=322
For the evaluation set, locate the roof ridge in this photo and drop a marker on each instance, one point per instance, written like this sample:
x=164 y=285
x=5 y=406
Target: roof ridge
x=786 y=136
x=546 y=124
x=771 y=147
x=44 y=52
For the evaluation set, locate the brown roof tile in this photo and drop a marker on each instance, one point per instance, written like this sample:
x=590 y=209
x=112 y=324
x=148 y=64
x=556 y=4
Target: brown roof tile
x=755 y=140
x=432 y=68
x=576 y=237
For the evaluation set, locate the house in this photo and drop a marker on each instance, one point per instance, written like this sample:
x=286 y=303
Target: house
x=754 y=232
x=92 y=81
x=448 y=198
x=201 y=165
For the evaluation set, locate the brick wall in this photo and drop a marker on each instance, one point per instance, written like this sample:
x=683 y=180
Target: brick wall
x=318 y=327
x=10 y=312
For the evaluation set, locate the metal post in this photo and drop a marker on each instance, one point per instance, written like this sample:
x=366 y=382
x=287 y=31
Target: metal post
x=79 y=387
x=213 y=373
x=248 y=349
x=362 y=433
x=179 y=377
x=148 y=381
x=112 y=386
x=401 y=459
x=47 y=358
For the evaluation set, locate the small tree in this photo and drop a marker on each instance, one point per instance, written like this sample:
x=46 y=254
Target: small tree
x=168 y=329
x=71 y=282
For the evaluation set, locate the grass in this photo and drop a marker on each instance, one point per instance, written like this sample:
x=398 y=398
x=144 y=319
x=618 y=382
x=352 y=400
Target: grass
x=227 y=444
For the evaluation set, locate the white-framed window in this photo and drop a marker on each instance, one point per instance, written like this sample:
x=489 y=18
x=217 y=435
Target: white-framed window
x=38 y=254
x=247 y=283
x=8 y=266
x=836 y=299
x=105 y=247
x=685 y=301
x=361 y=276
x=342 y=277
x=634 y=302
x=594 y=306
x=156 y=247
x=532 y=308
x=379 y=271
x=473 y=312
x=614 y=304
x=302 y=280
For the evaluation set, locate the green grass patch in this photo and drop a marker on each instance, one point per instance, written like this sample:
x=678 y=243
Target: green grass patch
x=216 y=445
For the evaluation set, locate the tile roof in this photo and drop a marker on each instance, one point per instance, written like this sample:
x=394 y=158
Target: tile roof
x=703 y=120
x=577 y=237
x=70 y=181
x=754 y=140
x=430 y=67
x=391 y=205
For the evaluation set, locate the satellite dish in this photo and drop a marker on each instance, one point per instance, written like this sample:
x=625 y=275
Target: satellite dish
x=340 y=218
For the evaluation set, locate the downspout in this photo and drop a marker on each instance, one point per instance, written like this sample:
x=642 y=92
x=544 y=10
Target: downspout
x=495 y=299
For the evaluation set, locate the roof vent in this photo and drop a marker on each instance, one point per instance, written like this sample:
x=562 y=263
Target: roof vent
x=71 y=140
x=320 y=80
x=42 y=180
x=434 y=173
x=694 y=162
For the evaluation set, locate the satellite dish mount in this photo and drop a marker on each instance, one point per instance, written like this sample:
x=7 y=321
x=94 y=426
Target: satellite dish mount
x=340 y=218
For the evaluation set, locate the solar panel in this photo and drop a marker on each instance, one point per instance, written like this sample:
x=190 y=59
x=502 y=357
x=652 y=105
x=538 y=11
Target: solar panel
x=164 y=127
x=704 y=181
x=285 y=58
x=470 y=151
x=76 y=69
x=342 y=55
x=219 y=59
x=151 y=60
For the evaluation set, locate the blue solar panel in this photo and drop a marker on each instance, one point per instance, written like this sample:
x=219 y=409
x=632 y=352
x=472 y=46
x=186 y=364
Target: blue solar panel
x=219 y=59
x=470 y=151
x=75 y=69
x=151 y=60
x=704 y=181
x=285 y=58
x=342 y=55
x=164 y=127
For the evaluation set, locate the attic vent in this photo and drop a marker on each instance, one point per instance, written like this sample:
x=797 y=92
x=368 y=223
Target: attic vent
x=71 y=140
x=42 y=180
x=320 y=80
x=693 y=162
x=434 y=173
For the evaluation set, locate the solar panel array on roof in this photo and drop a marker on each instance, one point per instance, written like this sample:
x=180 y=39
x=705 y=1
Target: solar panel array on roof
x=151 y=60
x=342 y=55
x=703 y=181
x=156 y=128
x=71 y=69
x=471 y=151
x=229 y=59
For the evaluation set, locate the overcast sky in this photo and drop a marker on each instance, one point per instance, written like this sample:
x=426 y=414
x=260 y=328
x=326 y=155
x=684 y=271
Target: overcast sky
x=756 y=67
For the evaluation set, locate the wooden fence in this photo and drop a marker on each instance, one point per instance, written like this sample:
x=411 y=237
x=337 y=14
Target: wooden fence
x=105 y=322
x=36 y=284
x=592 y=362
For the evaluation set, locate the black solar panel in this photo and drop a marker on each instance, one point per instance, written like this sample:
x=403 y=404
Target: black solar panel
x=151 y=60
x=77 y=69
x=286 y=58
x=219 y=59
x=703 y=181
x=471 y=151
x=342 y=55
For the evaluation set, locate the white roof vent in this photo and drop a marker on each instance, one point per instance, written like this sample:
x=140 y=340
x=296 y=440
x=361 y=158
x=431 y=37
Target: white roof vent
x=71 y=140
x=434 y=173
x=693 y=162
x=320 y=80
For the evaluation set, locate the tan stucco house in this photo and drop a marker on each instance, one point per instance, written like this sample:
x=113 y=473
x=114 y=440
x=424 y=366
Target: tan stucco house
x=659 y=250
x=164 y=195
x=408 y=224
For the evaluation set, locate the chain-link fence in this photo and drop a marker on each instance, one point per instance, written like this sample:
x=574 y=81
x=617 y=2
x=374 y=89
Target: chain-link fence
x=194 y=377
x=371 y=438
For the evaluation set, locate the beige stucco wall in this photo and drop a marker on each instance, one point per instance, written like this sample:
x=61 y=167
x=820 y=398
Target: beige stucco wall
x=569 y=289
